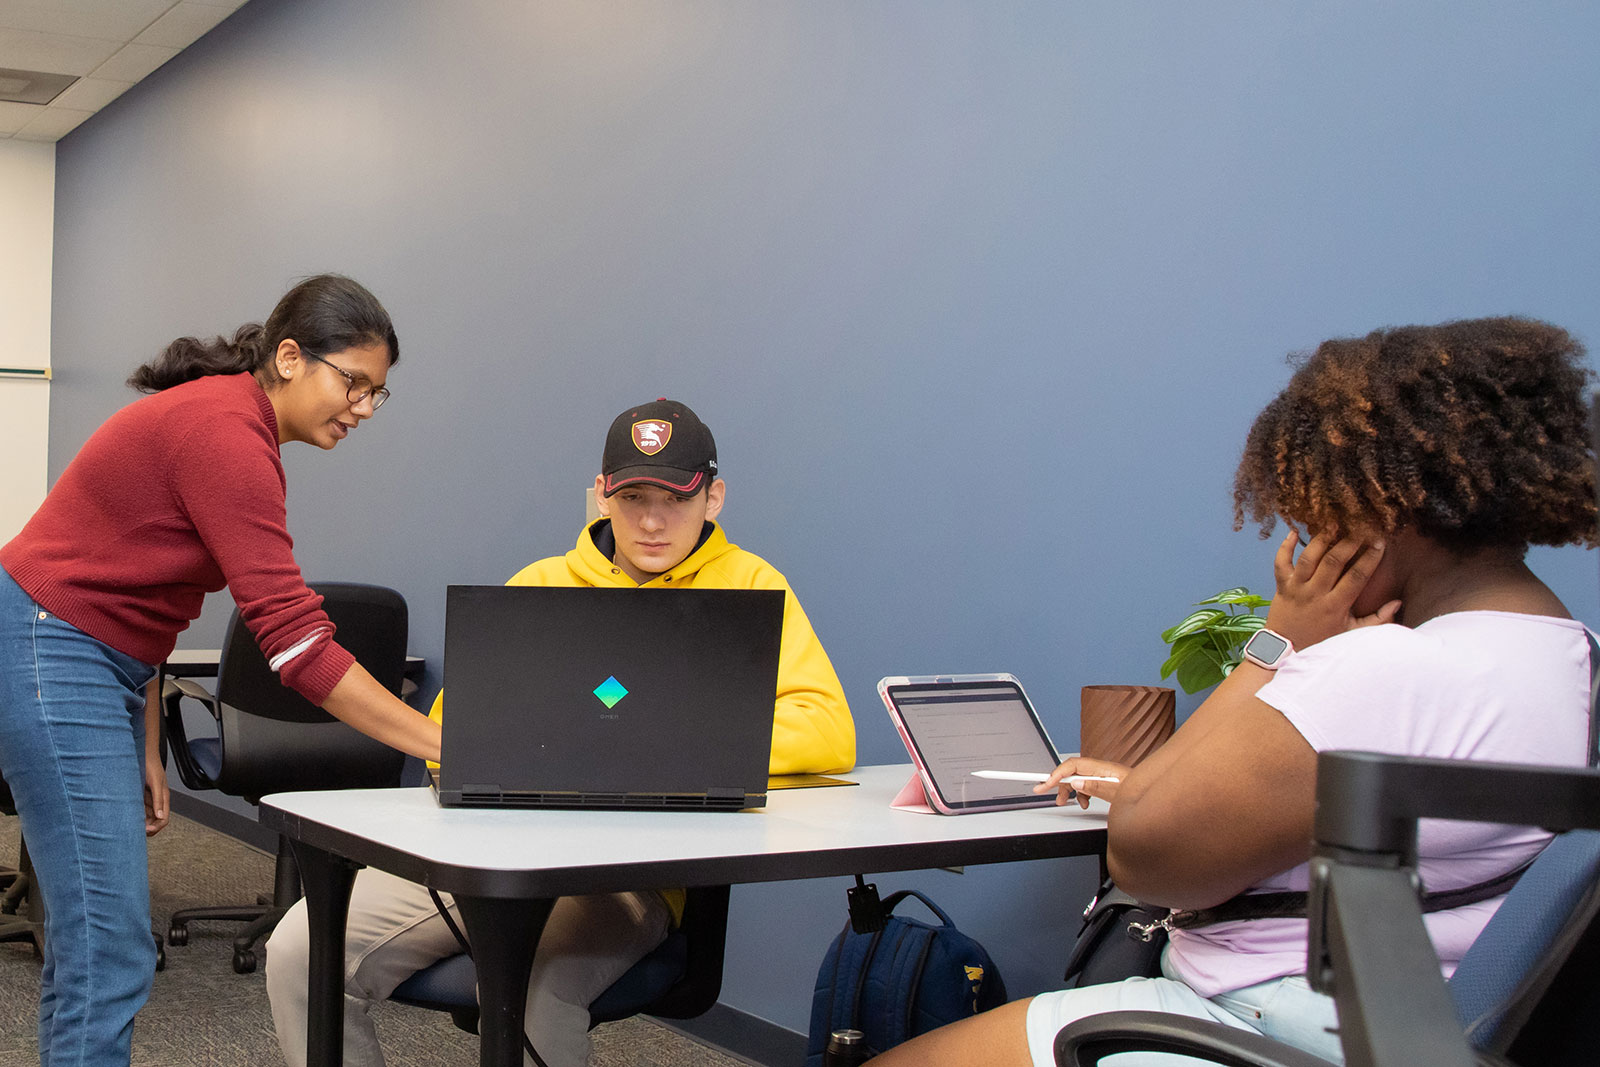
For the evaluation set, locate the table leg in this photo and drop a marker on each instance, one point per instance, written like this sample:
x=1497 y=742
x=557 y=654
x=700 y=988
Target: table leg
x=503 y=934
x=327 y=879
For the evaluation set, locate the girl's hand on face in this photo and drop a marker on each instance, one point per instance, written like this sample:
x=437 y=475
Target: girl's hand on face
x=1317 y=592
x=1077 y=765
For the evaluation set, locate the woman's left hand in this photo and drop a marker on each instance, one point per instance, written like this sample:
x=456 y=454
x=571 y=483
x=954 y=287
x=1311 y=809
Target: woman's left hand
x=1317 y=592
x=157 y=798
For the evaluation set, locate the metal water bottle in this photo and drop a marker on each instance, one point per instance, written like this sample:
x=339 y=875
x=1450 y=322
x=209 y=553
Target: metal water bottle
x=846 y=1048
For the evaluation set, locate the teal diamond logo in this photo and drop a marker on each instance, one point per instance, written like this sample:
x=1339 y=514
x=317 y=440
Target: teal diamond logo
x=610 y=691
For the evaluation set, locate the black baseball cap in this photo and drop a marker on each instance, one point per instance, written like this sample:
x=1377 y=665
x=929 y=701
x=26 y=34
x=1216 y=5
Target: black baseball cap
x=662 y=443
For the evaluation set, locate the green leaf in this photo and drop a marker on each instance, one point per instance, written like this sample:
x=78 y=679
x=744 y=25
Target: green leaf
x=1237 y=595
x=1182 y=650
x=1196 y=622
x=1239 y=624
x=1197 y=673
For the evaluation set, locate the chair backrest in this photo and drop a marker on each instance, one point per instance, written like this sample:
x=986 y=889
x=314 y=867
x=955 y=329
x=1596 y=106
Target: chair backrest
x=273 y=739
x=1547 y=897
x=371 y=621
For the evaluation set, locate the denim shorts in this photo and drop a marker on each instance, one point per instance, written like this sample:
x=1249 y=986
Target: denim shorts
x=1285 y=1009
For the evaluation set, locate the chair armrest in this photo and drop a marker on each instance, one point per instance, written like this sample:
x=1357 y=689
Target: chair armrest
x=172 y=694
x=176 y=689
x=1091 y=1039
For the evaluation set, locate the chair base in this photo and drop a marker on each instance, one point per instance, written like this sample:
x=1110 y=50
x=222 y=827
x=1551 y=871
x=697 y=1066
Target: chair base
x=16 y=928
x=16 y=884
x=262 y=917
x=261 y=921
x=24 y=926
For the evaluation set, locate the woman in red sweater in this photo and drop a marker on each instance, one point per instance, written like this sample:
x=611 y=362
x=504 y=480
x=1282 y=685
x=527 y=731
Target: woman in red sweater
x=177 y=495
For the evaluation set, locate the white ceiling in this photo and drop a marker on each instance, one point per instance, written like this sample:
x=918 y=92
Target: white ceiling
x=107 y=44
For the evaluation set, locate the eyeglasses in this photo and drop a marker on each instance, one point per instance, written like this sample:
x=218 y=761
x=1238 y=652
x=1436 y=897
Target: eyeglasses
x=359 y=388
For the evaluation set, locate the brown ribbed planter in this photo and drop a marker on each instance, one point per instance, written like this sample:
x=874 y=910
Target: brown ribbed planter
x=1125 y=723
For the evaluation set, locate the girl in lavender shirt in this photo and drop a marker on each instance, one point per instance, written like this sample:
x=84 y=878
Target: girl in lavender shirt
x=1422 y=462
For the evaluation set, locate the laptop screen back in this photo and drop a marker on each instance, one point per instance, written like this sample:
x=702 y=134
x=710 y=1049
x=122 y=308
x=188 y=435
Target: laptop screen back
x=580 y=697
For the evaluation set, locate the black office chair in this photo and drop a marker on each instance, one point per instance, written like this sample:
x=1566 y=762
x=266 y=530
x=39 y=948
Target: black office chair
x=1524 y=995
x=680 y=979
x=271 y=740
x=17 y=919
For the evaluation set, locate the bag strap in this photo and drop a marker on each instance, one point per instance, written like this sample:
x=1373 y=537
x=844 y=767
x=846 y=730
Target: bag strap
x=1293 y=905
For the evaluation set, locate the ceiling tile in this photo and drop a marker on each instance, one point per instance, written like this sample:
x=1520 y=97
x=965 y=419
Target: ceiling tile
x=52 y=123
x=91 y=94
x=112 y=20
x=52 y=53
x=133 y=61
x=15 y=116
x=183 y=25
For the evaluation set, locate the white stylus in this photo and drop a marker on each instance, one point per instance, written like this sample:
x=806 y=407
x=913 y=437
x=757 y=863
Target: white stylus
x=1034 y=776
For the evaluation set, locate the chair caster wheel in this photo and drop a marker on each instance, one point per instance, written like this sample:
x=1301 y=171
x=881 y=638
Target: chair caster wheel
x=161 y=957
x=244 y=962
x=177 y=935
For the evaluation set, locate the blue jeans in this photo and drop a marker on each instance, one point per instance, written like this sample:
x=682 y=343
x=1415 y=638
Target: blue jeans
x=72 y=750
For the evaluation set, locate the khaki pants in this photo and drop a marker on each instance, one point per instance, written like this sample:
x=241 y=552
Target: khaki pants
x=394 y=931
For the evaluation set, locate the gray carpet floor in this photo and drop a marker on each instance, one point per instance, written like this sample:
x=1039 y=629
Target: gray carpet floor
x=201 y=1014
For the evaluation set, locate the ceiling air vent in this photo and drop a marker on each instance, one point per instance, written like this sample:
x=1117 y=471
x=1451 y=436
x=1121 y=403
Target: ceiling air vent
x=32 y=86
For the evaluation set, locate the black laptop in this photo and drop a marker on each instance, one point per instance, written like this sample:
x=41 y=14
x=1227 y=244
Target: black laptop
x=608 y=698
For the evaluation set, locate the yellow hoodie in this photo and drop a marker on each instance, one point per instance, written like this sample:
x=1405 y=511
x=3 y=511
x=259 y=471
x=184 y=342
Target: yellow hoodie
x=812 y=731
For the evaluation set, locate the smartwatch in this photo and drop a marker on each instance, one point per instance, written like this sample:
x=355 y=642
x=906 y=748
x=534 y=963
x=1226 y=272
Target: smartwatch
x=1267 y=649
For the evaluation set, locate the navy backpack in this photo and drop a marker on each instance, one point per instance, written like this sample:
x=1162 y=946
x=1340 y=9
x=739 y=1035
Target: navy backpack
x=903 y=980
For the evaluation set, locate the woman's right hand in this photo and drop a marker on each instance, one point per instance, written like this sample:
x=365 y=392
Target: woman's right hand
x=1316 y=594
x=361 y=702
x=1078 y=765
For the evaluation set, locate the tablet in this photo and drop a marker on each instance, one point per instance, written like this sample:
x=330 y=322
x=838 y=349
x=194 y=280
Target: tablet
x=955 y=724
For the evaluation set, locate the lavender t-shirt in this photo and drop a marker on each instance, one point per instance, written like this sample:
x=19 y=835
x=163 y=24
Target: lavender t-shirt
x=1479 y=685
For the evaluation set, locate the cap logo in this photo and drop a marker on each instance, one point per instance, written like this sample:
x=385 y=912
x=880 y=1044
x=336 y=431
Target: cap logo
x=651 y=435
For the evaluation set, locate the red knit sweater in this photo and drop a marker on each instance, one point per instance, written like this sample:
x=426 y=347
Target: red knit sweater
x=175 y=496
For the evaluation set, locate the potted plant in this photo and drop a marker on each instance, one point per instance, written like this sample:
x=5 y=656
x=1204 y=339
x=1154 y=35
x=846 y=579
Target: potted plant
x=1209 y=644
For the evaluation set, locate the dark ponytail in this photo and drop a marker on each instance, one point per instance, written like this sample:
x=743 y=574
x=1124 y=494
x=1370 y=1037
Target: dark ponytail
x=324 y=314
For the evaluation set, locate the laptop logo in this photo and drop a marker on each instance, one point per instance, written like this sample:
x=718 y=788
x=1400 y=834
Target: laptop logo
x=651 y=436
x=610 y=692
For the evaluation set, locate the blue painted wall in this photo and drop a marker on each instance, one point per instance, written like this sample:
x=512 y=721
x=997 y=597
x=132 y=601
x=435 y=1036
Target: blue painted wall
x=979 y=298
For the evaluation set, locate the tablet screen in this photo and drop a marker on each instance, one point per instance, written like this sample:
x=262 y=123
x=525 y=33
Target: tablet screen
x=957 y=727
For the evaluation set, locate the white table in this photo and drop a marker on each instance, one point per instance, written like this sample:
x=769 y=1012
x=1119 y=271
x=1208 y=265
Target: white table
x=507 y=867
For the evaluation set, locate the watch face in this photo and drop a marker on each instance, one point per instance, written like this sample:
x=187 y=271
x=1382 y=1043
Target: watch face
x=1266 y=648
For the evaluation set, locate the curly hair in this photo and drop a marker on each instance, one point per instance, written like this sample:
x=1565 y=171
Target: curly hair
x=1474 y=433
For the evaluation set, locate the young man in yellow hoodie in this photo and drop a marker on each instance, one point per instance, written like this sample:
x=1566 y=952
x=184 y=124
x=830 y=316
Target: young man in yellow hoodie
x=659 y=496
